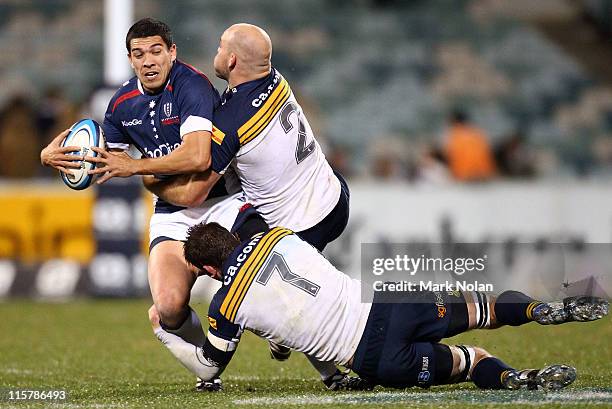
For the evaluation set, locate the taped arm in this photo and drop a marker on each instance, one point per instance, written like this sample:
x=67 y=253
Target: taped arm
x=217 y=352
x=206 y=362
x=221 y=341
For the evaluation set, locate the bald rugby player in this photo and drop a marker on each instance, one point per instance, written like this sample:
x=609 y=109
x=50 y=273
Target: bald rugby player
x=261 y=132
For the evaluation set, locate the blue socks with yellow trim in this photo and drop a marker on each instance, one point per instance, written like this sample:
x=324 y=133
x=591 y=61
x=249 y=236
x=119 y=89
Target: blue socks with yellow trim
x=487 y=374
x=515 y=308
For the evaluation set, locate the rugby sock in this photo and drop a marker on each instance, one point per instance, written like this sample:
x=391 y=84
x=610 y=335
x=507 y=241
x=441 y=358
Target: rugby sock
x=466 y=363
x=325 y=369
x=515 y=308
x=487 y=374
x=190 y=330
x=483 y=311
x=189 y=356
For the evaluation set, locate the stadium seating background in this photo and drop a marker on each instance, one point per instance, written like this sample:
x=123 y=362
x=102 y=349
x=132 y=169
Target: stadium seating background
x=377 y=78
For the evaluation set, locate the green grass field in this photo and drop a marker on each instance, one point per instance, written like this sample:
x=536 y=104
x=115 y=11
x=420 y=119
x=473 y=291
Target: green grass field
x=104 y=354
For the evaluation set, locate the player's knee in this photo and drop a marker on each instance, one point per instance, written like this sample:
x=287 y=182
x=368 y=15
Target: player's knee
x=154 y=317
x=171 y=309
x=465 y=358
x=479 y=354
x=481 y=310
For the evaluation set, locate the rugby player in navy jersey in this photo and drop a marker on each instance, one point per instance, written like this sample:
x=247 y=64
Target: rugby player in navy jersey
x=166 y=112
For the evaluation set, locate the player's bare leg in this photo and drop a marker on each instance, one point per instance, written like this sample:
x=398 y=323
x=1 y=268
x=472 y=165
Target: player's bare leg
x=171 y=280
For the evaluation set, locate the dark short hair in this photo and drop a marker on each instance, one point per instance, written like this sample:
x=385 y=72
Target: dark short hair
x=209 y=245
x=149 y=27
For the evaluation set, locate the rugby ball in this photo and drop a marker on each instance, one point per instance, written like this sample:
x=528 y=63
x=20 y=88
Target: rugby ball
x=84 y=134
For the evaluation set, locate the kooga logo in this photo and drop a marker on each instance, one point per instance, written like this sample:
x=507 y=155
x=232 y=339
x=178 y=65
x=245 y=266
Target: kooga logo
x=132 y=122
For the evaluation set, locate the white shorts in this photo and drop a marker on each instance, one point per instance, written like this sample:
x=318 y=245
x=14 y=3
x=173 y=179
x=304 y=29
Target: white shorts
x=222 y=210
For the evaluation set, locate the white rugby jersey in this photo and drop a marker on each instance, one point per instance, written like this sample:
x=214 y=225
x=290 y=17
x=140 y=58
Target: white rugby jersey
x=261 y=130
x=281 y=288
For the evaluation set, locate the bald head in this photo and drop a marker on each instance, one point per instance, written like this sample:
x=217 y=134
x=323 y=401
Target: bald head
x=251 y=45
x=244 y=54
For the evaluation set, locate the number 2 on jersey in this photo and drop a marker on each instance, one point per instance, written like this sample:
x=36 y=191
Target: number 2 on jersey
x=277 y=263
x=302 y=150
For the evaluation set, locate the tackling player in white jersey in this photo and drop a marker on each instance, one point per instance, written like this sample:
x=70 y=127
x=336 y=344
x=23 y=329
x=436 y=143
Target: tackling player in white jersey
x=261 y=131
x=281 y=288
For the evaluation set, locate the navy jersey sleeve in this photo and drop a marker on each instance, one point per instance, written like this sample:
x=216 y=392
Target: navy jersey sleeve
x=223 y=151
x=223 y=335
x=115 y=139
x=196 y=99
x=220 y=326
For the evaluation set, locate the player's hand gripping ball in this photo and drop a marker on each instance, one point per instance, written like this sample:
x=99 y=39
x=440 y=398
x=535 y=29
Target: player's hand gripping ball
x=85 y=134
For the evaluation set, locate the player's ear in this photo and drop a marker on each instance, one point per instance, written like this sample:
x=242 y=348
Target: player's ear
x=129 y=56
x=173 y=52
x=231 y=62
x=212 y=272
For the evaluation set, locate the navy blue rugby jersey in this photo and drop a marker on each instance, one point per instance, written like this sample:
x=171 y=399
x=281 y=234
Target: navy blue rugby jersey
x=261 y=130
x=232 y=119
x=156 y=123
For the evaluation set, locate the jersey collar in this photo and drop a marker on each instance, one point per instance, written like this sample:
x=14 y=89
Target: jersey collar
x=229 y=92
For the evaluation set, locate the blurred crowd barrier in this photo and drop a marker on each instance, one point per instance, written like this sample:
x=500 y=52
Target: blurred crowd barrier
x=39 y=223
x=49 y=246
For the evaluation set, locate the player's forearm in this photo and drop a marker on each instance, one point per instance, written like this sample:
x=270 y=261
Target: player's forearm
x=171 y=190
x=180 y=161
x=185 y=190
x=192 y=156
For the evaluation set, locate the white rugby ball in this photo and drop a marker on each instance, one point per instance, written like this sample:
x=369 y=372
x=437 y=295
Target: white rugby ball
x=84 y=134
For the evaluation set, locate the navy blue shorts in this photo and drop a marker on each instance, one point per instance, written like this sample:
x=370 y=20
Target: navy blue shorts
x=332 y=226
x=399 y=347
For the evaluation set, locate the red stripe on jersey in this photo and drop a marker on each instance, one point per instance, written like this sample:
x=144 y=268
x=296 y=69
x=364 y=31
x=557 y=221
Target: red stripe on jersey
x=245 y=207
x=126 y=96
x=170 y=121
x=169 y=87
x=194 y=69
